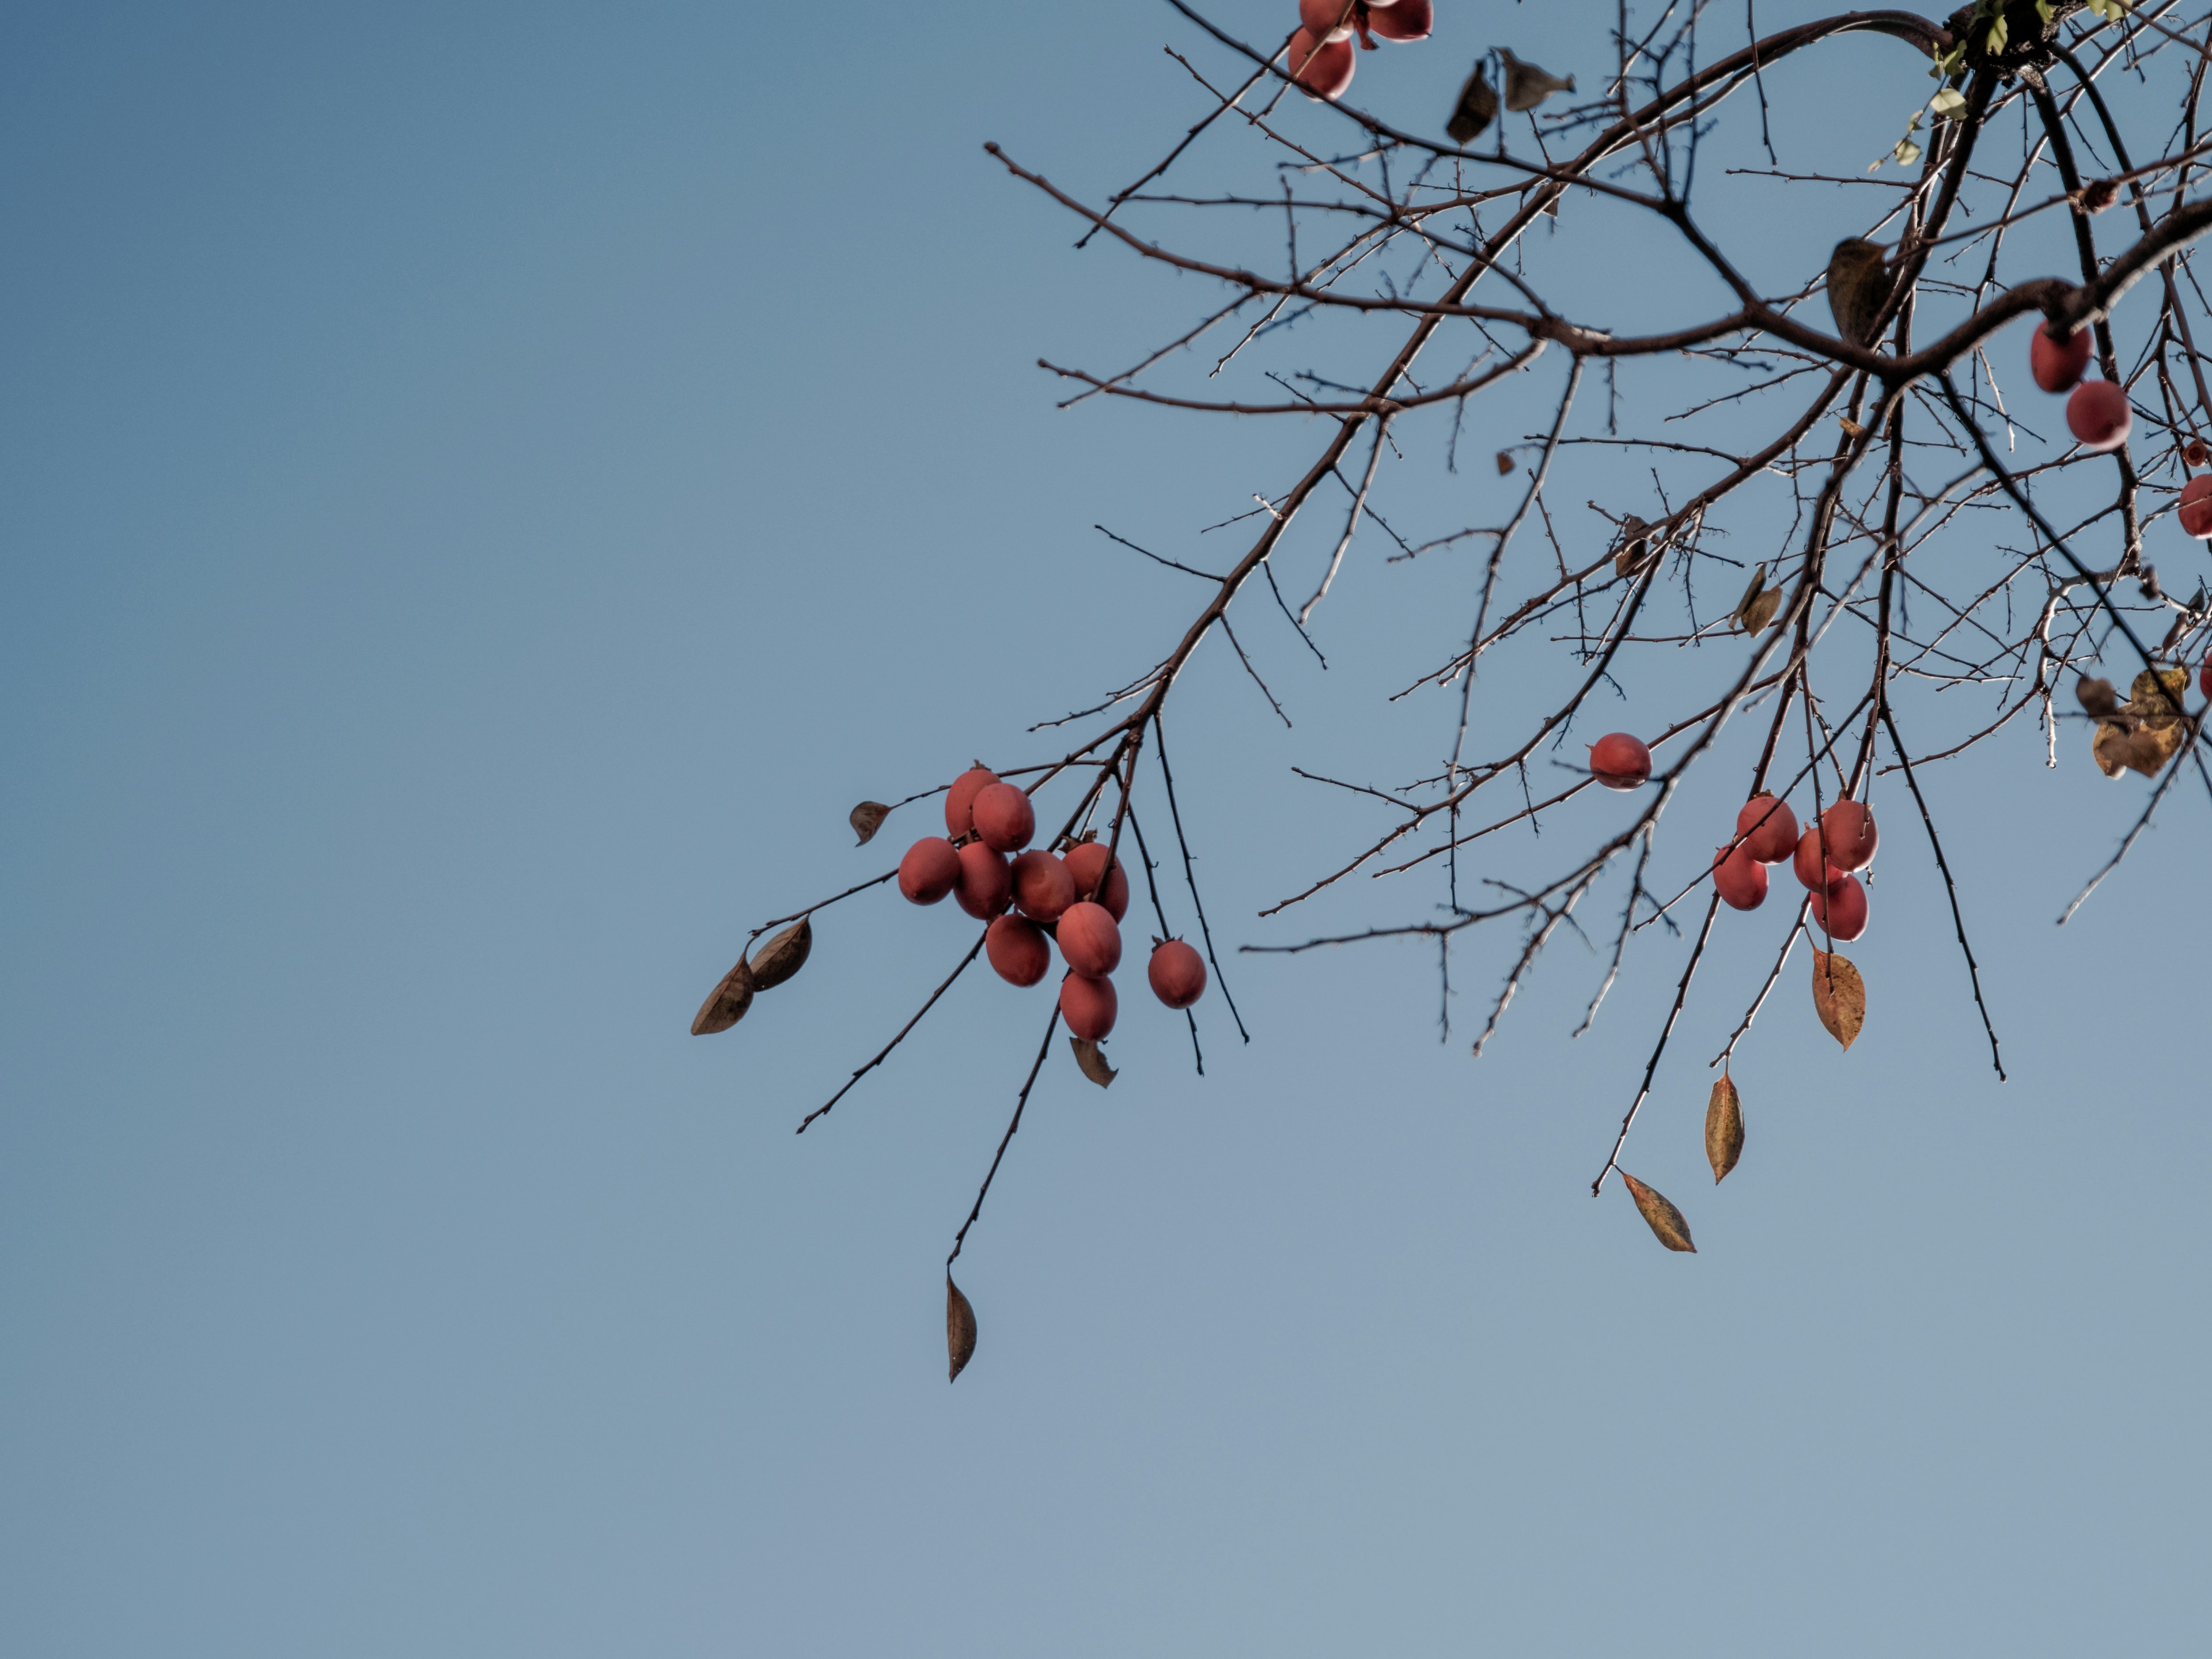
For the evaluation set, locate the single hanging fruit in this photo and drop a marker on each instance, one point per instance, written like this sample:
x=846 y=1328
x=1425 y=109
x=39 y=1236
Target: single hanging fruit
x=1768 y=827
x=1178 y=974
x=1017 y=951
x=1088 y=1005
x=2058 y=364
x=1619 y=762
x=2098 y=415
x=2196 y=509
x=929 y=871
x=1740 y=879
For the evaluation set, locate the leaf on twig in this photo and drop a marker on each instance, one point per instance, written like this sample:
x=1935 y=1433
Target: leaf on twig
x=2144 y=732
x=2096 y=697
x=1839 y=995
x=1635 y=546
x=1504 y=463
x=726 y=1003
x=784 y=955
x=1527 y=86
x=1724 y=1129
x=1476 y=109
x=959 y=1330
x=1666 y=1221
x=1751 y=592
x=1092 y=1063
x=867 y=818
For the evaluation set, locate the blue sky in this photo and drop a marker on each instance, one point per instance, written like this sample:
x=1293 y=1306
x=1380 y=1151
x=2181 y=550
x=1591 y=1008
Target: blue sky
x=484 y=494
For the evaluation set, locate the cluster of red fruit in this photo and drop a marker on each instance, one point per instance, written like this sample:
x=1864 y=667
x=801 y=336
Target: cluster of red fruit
x=1078 y=900
x=2097 y=413
x=1824 y=856
x=1320 y=58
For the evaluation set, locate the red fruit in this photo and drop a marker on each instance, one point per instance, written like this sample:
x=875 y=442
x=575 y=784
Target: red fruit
x=1042 y=886
x=1003 y=818
x=985 y=881
x=1841 y=909
x=1408 y=20
x=960 y=799
x=2197 y=508
x=2097 y=414
x=1324 y=19
x=1089 y=940
x=2204 y=677
x=1740 y=879
x=1178 y=974
x=1085 y=862
x=1619 y=762
x=1323 y=70
x=1768 y=829
x=1018 y=951
x=929 y=870
x=1807 y=862
x=2056 y=364
x=1088 y=1005
x=1852 y=835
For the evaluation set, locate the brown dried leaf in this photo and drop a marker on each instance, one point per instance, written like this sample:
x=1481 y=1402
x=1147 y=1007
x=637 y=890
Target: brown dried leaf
x=784 y=955
x=2147 y=699
x=959 y=1330
x=2110 y=747
x=1092 y=1062
x=1527 y=86
x=1665 y=1220
x=1760 y=614
x=1839 y=995
x=1723 y=1128
x=1635 y=546
x=1476 y=108
x=1750 y=593
x=2096 y=697
x=726 y=1003
x=867 y=818
x=1504 y=463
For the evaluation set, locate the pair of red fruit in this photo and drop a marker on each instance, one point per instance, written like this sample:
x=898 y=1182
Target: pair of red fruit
x=1823 y=857
x=1766 y=833
x=2097 y=412
x=1321 y=59
x=987 y=820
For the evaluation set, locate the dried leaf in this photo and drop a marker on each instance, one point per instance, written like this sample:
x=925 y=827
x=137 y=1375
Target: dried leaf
x=867 y=818
x=959 y=1330
x=1092 y=1062
x=2110 y=747
x=2096 y=697
x=1839 y=996
x=1504 y=463
x=1723 y=1128
x=1666 y=1221
x=1526 y=85
x=2146 y=698
x=1751 y=592
x=1635 y=546
x=1760 y=614
x=784 y=955
x=1476 y=109
x=726 y=1003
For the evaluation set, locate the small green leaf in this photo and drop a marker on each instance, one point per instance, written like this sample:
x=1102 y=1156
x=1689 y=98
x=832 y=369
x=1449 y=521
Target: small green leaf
x=1947 y=102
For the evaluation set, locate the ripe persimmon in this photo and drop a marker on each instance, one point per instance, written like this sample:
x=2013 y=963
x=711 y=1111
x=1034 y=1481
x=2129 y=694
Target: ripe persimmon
x=1768 y=829
x=960 y=799
x=1841 y=910
x=1740 y=879
x=986 y=883
x=929 y=870
x=1178 y=974
x=1085 y=862
x=2057 y=364
x=1004 y=818
x=1019 y=953
x=1043 y=887
x=1089 y=941
x=1850 y=834
x=2098 y=415
x=1619 y=762
x=1088 y=1005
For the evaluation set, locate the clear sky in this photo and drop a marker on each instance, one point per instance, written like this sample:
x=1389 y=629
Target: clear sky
x=482 y=490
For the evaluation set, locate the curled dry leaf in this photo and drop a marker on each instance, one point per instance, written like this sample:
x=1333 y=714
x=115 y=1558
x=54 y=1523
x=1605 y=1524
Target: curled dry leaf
x=784 y=955
x=1504 y=463
x=1665 y=1220
x=1723 y=1128
x=959 y=1330
x=1751 y=591
x=2096 y=697
x=1092 y=1062
x=867 y=818
x=726 y=1003
x=2156 y=695
x=1839 y=996
x=1476 y=109
x=1760 y=614
x=1527 y=86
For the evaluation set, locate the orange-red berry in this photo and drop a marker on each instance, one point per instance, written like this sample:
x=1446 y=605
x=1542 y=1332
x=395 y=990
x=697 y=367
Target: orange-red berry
x=1850 y=834
x=960 y=799
x=986 y=883
x=1178 y=974
x=1003 y=818
x=1043 y=887
x=1619 y=762
x=1085 y=862
x=2057 y=364
x=2097 y=414
x=929 y=870
x=1841 y=910
x=1089 y=940
x=1768 y=827
x=1740 y=879
x=1019 y=951
x=1088 y=1005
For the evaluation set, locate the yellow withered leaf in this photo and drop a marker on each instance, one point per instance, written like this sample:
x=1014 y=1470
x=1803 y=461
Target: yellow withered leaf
x=1723 y=1128
x=1665 y=1220
x=1839 y=995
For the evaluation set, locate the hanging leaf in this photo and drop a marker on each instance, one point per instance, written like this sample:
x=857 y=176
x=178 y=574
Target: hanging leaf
x=726 y=1003
x=1635 y=546
x=1092 y=1062
x=1526 y=85
x=1760 y=614
x=959 y=1330
x=1666 y=1221
x=2149 y=697
x=784 y=955
x=867 y=818
x=1751 y=592
x=1504 y=463
x=1476 y=109
x=1839 y=996
x=2096 y=697
x=1724 y=1129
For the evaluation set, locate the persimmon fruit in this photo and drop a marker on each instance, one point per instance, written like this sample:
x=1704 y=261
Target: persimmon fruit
x=1740 y=879
x=1178 y=974
x=960 y=799
x=1085 y=862
x=1018 y=951
x=2057 y=364
x=929 y=870
x=1088 y=1005
x=1089 y=942
x=2098 y=415
x=1004 y=818
x=1841 y=910
x=1043 y=887
x=1768 y=829
x=986 y=883
x=1852 y=835
x=1619 y=762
